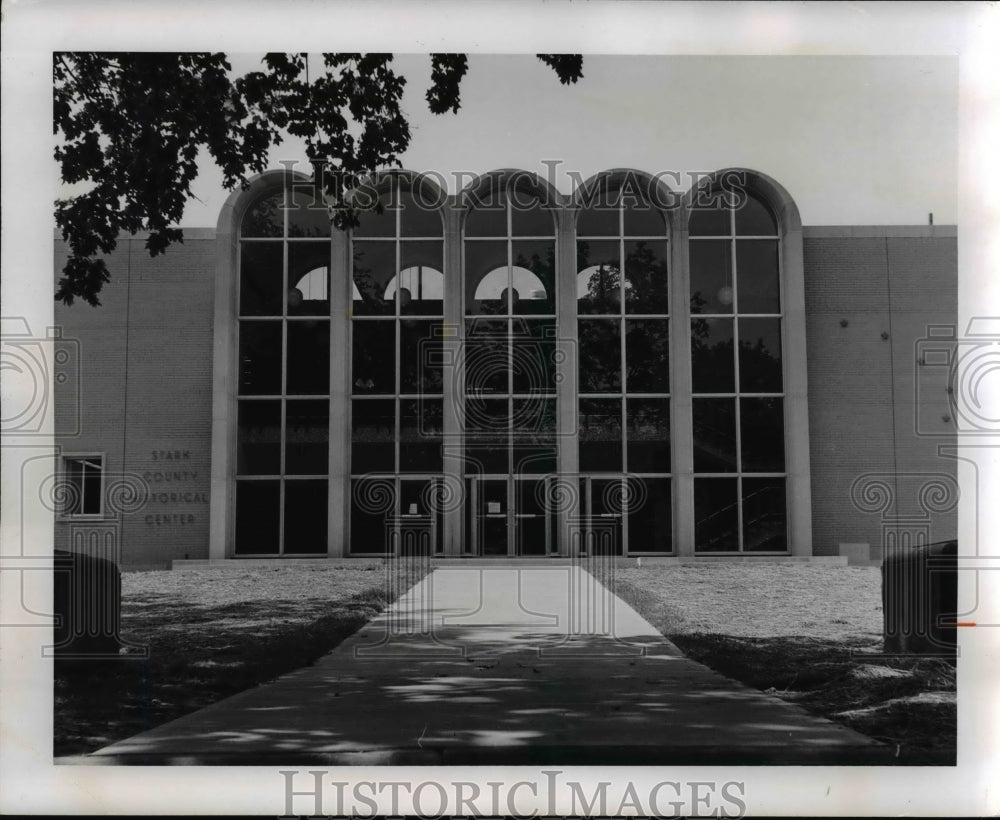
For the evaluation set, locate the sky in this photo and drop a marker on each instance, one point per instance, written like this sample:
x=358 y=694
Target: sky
x=856 y=140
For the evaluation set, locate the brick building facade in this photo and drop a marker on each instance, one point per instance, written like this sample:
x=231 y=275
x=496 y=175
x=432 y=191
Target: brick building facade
x=166 y=418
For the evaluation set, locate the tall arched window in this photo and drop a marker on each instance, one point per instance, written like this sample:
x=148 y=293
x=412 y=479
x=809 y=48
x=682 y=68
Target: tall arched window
x=396 y=364
x=737 y=377
x=623 y=308
x=508 y=367
x=283 y=380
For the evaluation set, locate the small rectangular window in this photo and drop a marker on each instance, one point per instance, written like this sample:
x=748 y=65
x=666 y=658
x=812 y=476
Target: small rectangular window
x=84 y=485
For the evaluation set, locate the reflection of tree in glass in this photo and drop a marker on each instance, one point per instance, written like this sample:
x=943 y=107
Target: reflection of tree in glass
x=379 y=208
x=712 y=363
x=543 y=269
x=420 y=358
x=647 y=345
x=431 y=419
x=374 y=356
x=760 y=368
x=369 y=288
x=265 y=218
x=533 y=421
x=603 y=284
x=486 y=365
x=600 y=352
x=494 y=307
x=490 y=365
x=648 y=421
x=307 y=221
x=646 y=279
x=699 y=333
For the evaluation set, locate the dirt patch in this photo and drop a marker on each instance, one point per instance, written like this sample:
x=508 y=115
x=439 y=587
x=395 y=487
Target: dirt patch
x=211 y=634
x=205 y=586
x=761 y=600
x=807 y=634
x=910 y=706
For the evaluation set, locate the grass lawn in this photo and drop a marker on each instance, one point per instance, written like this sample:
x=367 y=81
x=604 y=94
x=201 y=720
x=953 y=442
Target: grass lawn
x=212 y=633
x=805 y=633
x=802 y=632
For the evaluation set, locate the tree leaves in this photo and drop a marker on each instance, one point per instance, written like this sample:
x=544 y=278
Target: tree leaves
x=131 y=126
x=447 y=71
x=569 y=67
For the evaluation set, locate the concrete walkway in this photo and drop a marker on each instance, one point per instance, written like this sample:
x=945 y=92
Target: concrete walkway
x=517 y=664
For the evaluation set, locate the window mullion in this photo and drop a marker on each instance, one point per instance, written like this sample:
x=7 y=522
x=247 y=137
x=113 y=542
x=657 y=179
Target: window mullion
x=622 y=362
x=736 y=381
x=397 y=354
x=283 y=429
x=509 y=350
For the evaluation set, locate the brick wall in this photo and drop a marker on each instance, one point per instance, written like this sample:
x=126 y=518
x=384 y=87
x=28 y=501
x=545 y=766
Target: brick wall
x=866 y=393
x=145 y=359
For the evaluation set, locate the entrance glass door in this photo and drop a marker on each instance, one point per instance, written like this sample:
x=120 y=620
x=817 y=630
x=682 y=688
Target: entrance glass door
x=420 y=522
x=604 y=533
x=510 y=516
x=491 y=529
x=532 y=529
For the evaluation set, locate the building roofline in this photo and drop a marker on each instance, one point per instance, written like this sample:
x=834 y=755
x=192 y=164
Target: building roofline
x=809 y=232
x=880 y=231
x=200 y=233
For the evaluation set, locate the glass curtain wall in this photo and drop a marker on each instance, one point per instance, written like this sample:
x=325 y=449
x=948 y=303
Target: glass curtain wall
x=623 y=324
x=509 y=373
x=739 y=457
x=283 y=404
x=397 y=311
x=506 y=374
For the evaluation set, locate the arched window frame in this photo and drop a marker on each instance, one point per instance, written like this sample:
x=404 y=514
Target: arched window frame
x=793 y=341
x=622 y=185
x=225 y=367
x=396 y=480
x=513 y=186
x=225 y=401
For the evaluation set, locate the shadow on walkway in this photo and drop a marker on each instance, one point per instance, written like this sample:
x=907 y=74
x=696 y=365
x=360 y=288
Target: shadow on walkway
x=511 y=665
